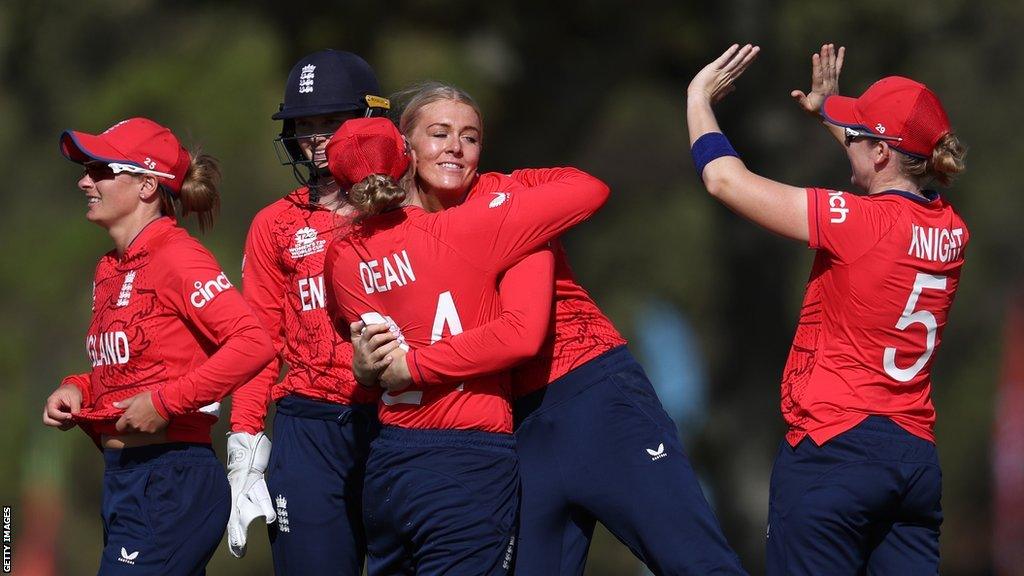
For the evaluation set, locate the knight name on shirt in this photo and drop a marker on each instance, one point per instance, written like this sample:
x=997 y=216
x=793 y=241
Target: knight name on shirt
x=386 y=273
x=936 y=244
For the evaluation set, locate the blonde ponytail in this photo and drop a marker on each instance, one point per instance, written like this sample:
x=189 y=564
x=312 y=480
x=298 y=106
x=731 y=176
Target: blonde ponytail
x=945 y=164
x=199 y=192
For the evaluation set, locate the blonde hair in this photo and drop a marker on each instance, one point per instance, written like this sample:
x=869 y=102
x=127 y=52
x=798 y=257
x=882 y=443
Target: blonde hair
x=410 y=102
x=945 y=164
x=199 y=192
x=375 y=194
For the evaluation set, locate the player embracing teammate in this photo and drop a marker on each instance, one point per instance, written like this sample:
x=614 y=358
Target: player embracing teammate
x=442 y=480
x=468 y=326
x=588 y=419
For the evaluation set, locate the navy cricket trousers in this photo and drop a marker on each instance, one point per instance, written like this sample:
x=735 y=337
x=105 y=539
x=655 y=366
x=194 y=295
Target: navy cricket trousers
x=315 y=477
x=865 y=502
x=441 y=502
x=165 y=509
x=597 y=446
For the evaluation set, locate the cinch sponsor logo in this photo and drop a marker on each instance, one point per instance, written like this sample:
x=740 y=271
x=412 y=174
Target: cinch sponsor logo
x=398 y=274
x=128 y=558
x=108 y=348
x=936 y=244
x=306 y=243
x=206 y=292
x=837 y=205
x=311 y=293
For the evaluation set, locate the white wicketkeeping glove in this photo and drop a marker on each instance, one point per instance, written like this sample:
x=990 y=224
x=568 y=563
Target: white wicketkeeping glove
x=248 y=456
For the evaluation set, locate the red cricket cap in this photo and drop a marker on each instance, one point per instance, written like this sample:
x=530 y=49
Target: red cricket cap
x=365 y=146
x=894 y=107
x=136 y=145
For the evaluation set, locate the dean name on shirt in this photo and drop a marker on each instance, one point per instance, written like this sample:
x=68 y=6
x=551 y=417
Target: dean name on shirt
x=387 y=273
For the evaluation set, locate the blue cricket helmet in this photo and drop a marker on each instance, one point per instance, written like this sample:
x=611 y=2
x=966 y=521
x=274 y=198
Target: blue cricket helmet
x=331 y=81
x=324 y=82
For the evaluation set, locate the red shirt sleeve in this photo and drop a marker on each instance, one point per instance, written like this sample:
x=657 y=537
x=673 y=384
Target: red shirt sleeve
x=845 y=225
x=223 y=318
x=82 y=382
x=496 y=230
x=526 y=292
x=263 y=286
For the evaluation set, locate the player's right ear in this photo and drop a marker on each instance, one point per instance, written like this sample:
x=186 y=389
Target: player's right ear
x=149 y=188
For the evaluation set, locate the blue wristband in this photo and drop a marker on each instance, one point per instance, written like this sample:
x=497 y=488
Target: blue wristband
x=708 y=147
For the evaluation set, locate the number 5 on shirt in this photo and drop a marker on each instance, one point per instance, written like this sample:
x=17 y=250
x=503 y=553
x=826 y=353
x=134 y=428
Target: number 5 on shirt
x=911 y=316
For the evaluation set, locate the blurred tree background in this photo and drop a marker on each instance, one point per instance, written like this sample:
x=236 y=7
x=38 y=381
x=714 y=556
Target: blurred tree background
x=596 y=84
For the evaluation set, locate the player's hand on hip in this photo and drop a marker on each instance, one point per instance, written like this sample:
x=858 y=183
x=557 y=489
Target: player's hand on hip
x=61 y=407
x=715 y=81
x=825 y=69
x=139 y=415
x=248 y=457
x=371 y=348
x=396 y=376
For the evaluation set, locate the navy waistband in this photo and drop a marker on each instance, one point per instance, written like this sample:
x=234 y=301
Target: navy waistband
x=158 y=455
x=883 y=424
x=420 y=437
x=576 y=381
x=300 y=407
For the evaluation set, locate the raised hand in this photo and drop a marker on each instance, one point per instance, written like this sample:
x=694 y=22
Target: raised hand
x=715 y=81
x=825 y=69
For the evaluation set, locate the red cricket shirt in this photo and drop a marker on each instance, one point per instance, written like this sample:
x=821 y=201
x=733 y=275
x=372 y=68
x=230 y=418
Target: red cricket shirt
x=166 y=318
x=878 y=298
x=282 y=279
x=578 y=333
x=430 y=275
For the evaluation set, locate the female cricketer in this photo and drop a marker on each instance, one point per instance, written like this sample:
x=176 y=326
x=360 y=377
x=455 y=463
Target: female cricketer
x=856 y=483
x=169 y=338
x=441 y=487
x=593 y=440
x=324 y=421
